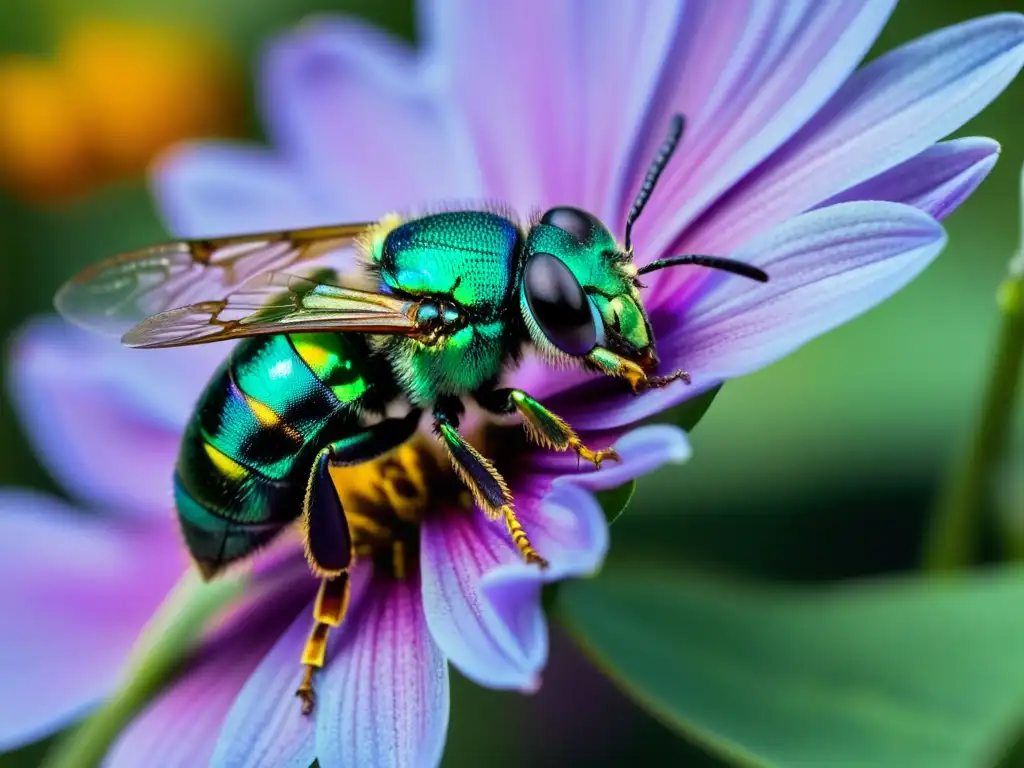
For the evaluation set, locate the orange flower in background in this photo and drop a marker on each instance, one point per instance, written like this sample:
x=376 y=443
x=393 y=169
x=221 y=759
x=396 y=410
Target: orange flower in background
x=116 y=94
x=43 y=147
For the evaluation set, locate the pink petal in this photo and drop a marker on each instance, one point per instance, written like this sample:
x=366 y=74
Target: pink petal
x=75 y=592
x=750 y=75
x=935 y=181
x=888 y=112
x=212 y=188
x=180 y=728
x=458 y=548
x=264 y=726
x=550 y=93
x=826 y=267
x=105 y=420
x=361 y=117
x=384 y=699
x=483 y=602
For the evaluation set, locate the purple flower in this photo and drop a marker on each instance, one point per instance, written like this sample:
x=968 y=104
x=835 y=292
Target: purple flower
x=829 y=179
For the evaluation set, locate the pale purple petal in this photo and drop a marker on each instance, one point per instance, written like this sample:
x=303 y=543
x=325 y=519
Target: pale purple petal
x=826 y=267
x=265 y=727
x=483 y=602
x=568 y=528
x=747 y=76
x=74 y=594
x=384 y=692
x=363 y=121
x=888 y=112
x=458 y=548
x=643 y=450
x=213 y=188
x=537 y=376
x=105 y=420
x=180 y=728
x=550 y=93
x=935 y=181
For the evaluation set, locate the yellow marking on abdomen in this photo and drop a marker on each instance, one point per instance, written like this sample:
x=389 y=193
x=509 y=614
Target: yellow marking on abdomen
x=227 y=466
x=269 y=418
x=315 y=356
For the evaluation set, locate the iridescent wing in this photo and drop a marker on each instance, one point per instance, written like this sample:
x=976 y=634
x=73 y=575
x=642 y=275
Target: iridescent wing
x=275 y=302
x=117 y=294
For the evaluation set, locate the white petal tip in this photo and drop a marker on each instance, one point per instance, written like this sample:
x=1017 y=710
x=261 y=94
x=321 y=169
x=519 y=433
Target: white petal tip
x=532 y=686
x=680 y=451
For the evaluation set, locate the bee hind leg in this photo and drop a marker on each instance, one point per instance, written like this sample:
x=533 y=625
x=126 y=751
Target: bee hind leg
x=542 y=426
x=328 y=540
x=482 y=479
x=328 y=612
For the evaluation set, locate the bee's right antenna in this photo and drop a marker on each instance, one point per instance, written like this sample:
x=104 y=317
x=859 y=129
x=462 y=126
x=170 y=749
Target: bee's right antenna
x=712 y=262
x=675 y=132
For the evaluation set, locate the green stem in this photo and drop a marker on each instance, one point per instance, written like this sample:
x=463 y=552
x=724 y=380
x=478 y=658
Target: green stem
x=162 y=647
x=959 y=515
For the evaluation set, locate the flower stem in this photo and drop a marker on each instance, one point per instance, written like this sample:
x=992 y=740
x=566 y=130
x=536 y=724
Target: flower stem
x=959 y=515
x=164 y=644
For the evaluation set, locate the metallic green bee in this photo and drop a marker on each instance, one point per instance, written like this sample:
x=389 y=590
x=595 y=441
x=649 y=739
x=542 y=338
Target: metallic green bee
x=455 y=299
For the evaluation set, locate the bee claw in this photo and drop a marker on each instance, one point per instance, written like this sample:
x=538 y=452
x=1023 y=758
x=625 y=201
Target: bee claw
x=308 y=701
x=534 y=559
x=656 y=382
x=596 y=457
x=306 y=693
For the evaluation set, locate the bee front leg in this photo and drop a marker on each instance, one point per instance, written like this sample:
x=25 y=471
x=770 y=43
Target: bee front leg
x=612 y=364
x=481 y=478
x=542 y=426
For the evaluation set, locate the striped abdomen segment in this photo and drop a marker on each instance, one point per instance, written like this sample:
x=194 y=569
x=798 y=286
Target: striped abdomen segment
x=247 y=452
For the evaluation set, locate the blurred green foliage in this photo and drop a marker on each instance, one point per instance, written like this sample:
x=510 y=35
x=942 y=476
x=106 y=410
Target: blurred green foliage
x=819 y=468
x=853 y=675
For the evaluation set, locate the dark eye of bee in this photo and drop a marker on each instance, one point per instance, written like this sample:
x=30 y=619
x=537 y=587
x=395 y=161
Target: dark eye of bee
x=578 y=223
x=558 y=304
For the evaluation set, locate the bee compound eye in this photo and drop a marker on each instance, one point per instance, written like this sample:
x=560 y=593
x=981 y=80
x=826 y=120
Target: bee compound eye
x=577 y=223
x=558 y=304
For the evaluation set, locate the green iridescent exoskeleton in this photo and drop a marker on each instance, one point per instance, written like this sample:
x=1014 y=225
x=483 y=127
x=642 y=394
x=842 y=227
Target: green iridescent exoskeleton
x=451 y=302
x=245 y=459
x=467 y=261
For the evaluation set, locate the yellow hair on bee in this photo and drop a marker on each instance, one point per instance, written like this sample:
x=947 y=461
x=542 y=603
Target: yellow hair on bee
x=371 y=242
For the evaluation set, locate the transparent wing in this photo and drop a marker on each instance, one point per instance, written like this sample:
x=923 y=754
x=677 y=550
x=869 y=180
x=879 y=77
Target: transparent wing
x=115 y=295
x=276 y=302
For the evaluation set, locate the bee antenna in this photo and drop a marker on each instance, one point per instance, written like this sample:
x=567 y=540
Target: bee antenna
x=712 y=262
x=675 y=132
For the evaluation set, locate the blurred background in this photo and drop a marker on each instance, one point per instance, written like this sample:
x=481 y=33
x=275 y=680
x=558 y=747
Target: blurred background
x=821 y=468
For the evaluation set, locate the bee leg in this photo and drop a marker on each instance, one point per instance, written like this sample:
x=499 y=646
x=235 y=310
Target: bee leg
x=656 y=382
x=487 y=486
x=326 y=536
x=328 y=611
x=612 y=364
x=542 y=426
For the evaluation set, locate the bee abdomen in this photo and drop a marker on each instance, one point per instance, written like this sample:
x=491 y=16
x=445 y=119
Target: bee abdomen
x=247 y=452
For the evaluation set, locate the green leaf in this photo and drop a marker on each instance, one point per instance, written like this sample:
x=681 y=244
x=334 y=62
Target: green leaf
x=686 y=415
x=615 y=500
x=899 y=673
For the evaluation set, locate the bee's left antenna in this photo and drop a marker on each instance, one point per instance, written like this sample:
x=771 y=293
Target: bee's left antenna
x=675 y=133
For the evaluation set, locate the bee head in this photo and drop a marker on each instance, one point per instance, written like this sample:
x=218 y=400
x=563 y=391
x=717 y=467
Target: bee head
x=579 y=290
